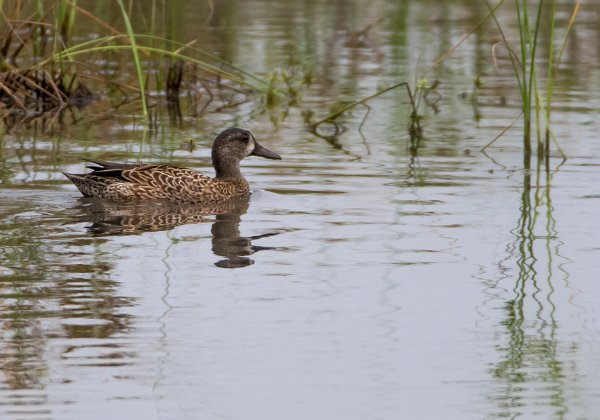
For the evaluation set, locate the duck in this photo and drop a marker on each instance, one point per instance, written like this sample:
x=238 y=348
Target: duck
x=126 y=182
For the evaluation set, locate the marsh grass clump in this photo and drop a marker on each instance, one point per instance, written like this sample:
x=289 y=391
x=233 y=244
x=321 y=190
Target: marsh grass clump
x=45 y=69
x=27 y=95
x=28 y=90
x=535 y=88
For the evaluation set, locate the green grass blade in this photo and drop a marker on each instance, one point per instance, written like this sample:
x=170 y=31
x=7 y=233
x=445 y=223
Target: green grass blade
x=551 y=74
x=136 y=59
x=201 y=64
x=108 y=43
x=532 y=88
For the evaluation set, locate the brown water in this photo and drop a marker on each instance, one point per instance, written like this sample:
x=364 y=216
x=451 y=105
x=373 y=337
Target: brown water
x=361 y=281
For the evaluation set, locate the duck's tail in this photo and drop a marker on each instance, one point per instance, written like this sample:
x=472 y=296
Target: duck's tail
x=80 y=182
x=89 y=185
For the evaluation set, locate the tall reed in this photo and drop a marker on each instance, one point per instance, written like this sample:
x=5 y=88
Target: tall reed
x=136 y=60
x=524 y=62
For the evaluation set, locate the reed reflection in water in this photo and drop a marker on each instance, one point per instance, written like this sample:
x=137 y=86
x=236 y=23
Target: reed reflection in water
x=531 y=372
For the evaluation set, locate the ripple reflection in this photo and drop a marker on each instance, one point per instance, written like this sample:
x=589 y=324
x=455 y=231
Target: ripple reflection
x=110 y=218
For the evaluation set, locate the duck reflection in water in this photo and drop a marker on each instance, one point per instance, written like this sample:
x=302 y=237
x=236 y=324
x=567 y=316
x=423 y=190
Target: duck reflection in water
x=111 y=218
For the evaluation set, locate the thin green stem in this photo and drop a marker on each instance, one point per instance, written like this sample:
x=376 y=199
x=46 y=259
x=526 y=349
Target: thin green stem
x=514 y=60
x=136 y=59
x=532 y=73
x=333 y=116
x=550 y=81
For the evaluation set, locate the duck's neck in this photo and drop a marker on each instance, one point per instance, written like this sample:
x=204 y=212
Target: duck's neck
x=227 y=169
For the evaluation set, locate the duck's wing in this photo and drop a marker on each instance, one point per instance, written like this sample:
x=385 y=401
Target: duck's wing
x=150 y=175
x=165 y=182
x=108 y=170
x=162 y=176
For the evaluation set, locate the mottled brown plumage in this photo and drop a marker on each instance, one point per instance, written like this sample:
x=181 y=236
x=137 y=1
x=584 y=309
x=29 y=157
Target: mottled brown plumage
x=131 y=182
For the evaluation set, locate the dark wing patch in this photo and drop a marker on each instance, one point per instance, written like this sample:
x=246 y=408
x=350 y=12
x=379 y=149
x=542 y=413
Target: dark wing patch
x=102 y=164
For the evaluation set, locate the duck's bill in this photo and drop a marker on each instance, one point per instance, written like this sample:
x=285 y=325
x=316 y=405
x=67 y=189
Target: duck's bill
x=264 y=152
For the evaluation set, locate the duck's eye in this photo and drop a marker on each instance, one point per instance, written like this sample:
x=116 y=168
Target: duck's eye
x=245 y=138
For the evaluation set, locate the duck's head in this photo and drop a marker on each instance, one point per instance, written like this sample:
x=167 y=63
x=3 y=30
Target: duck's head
x=233 y=145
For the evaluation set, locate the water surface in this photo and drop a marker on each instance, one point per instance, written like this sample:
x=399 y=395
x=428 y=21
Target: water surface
x=362 y=280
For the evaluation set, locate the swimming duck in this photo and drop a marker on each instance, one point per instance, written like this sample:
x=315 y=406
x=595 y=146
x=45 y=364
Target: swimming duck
x=129 y=182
